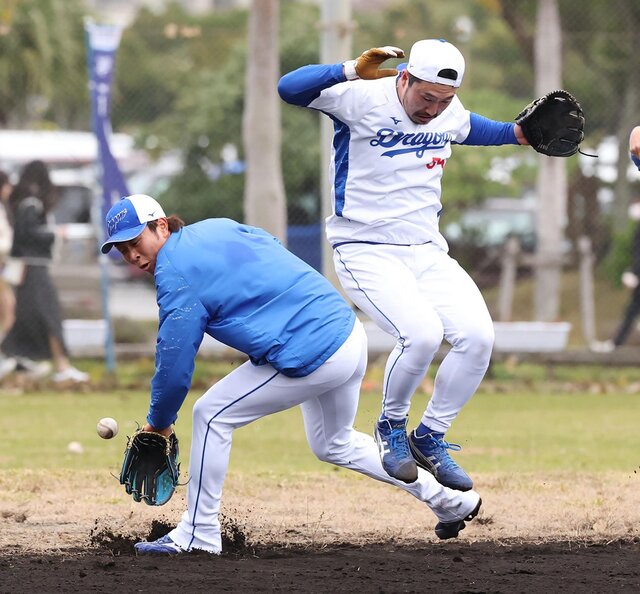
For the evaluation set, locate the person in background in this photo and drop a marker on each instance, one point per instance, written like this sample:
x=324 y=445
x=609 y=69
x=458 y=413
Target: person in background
x=36 y=335
x=630 y=278
x=7 y=298
x=634 y=146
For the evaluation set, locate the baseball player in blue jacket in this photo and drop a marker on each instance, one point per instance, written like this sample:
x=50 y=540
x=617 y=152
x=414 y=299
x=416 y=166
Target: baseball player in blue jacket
x=306 y=347
x=393 y=138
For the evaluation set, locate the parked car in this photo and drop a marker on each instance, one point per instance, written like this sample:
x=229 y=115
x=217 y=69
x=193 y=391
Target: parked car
x=478 y=236
x=492 y=223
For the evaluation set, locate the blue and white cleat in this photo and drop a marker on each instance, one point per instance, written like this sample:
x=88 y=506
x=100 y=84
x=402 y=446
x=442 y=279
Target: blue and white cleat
x=430 y=452
x=163 y=546
x=397 y=461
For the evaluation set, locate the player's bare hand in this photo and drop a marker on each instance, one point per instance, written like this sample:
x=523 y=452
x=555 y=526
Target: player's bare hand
x=367 y=65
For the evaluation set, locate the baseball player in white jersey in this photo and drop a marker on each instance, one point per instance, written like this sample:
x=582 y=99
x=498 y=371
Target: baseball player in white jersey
x=306 y=347
x=393 y=137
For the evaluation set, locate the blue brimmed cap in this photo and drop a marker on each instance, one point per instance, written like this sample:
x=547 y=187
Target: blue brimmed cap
x=128 y=218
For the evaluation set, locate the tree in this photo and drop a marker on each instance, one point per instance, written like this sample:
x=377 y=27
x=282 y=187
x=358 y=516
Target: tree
x=264 y=201
x=552 y=175
x=42 y=46
x=188 y=94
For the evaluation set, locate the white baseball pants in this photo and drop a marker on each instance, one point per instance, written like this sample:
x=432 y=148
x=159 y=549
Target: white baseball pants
x=420 y=295
x=328 y=399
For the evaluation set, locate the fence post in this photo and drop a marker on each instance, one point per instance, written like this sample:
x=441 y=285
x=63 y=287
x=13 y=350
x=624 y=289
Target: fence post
x=508 y=273
x=587 y=305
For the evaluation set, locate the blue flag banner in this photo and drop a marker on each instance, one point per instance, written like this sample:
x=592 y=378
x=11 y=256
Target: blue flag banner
x=102 y=45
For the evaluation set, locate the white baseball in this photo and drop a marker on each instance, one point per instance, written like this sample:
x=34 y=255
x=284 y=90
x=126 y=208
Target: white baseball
x=75 y=447
x=107 y=428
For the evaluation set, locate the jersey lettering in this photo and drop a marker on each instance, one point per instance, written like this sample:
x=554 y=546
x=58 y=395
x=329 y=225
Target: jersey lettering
x=417 y=143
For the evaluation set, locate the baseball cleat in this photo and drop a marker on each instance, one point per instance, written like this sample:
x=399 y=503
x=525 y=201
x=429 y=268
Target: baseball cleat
x=445 y=530
x=397 y=461
x=163 y=546
x=430 y=453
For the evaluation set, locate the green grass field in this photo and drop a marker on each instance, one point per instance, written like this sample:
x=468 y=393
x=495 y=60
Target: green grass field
x=520 y=421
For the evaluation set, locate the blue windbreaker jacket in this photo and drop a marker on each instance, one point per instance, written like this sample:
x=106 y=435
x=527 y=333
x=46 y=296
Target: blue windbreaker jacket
x=242 y=287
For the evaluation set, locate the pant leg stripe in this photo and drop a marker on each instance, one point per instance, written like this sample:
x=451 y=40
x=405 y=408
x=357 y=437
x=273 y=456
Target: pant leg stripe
x=400 y=337
x=204 y=447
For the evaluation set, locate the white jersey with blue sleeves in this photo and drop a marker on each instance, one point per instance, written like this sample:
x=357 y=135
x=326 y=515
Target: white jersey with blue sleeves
x=386 y=171
x=389 y=254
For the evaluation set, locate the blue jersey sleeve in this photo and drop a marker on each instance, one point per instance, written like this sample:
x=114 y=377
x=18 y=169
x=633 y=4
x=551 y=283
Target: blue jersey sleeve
x=486 y=132
x=636 y=161
x=183 y=320
x=305 y=84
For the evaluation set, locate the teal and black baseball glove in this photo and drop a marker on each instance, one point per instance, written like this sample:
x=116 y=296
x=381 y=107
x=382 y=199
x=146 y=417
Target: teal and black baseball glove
x=150 y=470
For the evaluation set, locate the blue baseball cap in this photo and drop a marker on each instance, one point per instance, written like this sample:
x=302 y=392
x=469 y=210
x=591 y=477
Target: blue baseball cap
x=128 y=218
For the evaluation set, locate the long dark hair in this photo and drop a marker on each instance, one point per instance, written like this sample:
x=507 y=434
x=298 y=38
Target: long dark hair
x=34 y=182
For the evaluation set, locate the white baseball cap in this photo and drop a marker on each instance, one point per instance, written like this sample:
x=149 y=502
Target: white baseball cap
x=128 y=218
x=436 y=61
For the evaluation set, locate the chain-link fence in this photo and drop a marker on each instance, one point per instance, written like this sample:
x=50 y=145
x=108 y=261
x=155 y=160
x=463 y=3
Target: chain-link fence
x=178 y=110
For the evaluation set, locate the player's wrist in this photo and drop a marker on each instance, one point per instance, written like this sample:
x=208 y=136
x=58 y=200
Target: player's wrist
x=166 y=431
x=349 y=69
x=520 y=137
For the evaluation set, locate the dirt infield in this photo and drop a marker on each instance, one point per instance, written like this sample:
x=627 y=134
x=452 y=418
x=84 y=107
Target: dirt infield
x=459 y=567
x=68 y=532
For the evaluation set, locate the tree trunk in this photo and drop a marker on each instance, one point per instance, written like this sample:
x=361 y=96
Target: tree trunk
x=552 y=176
x=628 y=110
x=513 y=17
x=264 y=197
x=335 y=46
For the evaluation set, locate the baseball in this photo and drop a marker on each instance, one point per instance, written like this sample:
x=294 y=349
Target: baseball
x=75 y=447
x=107 y=428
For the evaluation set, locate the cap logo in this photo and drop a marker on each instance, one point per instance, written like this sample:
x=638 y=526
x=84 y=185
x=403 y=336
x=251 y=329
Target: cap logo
x=112 y=223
